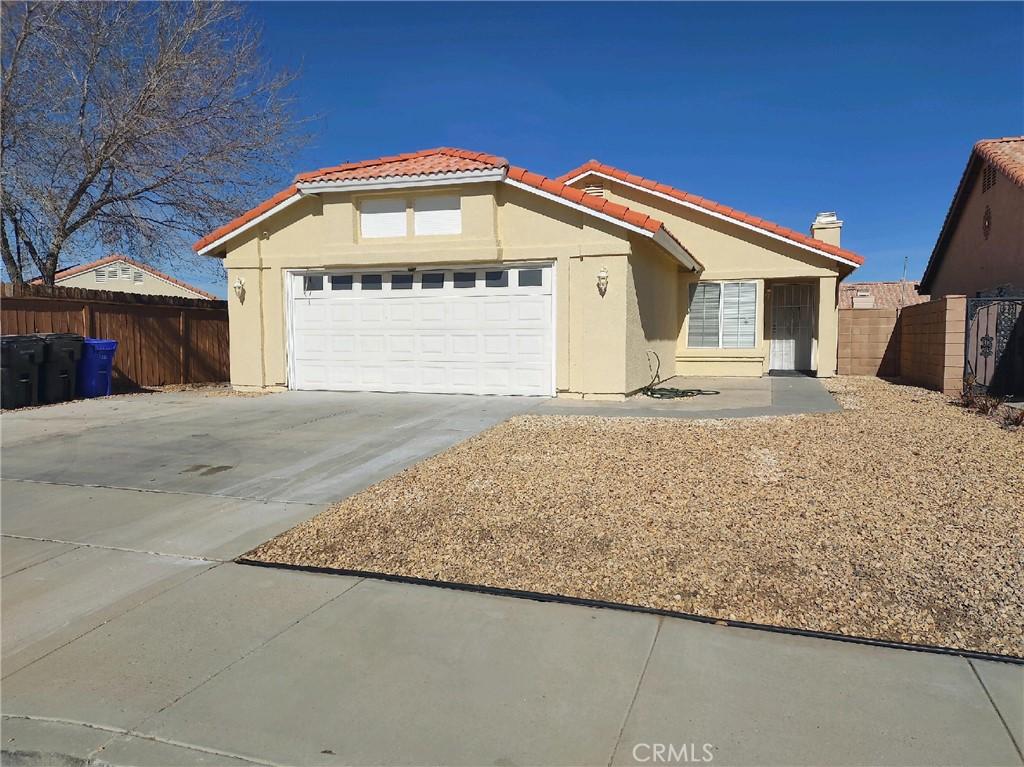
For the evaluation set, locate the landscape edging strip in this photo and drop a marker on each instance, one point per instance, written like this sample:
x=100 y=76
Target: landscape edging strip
x=538 y=596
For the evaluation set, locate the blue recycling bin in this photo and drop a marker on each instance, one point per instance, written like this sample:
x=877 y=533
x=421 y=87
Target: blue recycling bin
x=96 y=367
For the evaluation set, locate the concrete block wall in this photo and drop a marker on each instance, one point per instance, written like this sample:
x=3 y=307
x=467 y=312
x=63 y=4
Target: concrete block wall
x=932 y=337
x=869 y=342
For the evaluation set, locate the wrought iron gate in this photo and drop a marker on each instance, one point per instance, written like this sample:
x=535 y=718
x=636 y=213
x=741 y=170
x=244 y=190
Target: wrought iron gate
x=994 y=348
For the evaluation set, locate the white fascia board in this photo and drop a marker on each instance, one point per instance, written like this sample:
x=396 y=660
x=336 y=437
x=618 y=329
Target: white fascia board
x=713 y=214
x=404 y=182
x=250 y=224
x=662 y=238
x=669 y=243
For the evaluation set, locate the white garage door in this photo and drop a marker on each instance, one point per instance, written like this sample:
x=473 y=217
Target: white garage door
x=483 y=330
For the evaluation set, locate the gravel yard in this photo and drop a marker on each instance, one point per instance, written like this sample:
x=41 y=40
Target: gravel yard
x=900 y=518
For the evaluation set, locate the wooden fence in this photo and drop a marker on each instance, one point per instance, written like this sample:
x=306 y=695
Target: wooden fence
x=161 y=339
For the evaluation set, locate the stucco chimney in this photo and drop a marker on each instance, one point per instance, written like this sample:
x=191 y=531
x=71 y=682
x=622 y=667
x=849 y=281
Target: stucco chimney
x=826 y=227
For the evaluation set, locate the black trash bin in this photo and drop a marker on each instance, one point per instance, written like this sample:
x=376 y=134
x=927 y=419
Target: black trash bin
x=57 y=371
x=19 y=370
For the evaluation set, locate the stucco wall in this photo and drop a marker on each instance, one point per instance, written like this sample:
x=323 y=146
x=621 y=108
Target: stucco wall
x=729 y=251
x=973 y=263
x=652 y=314
x=499 y=224
x=150 y=286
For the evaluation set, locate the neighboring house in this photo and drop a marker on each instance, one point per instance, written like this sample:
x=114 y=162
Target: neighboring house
x=879 y=295
x=981 y=246
x=123 y=275
x=452 y=271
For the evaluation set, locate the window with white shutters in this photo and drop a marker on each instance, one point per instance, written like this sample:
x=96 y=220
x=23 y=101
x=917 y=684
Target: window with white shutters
x=705 y=303
x=382 y=218
x=723 y=315
x=437 y=215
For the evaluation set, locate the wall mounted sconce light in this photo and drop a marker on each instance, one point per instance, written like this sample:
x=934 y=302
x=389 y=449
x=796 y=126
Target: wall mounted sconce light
x=602 y=281
x=239 y=288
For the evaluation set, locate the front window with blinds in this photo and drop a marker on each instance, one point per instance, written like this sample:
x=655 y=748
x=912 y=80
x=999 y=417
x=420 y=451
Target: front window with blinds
x=723 y=315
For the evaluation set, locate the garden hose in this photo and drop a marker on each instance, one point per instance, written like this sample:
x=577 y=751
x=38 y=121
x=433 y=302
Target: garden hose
x=666 y=392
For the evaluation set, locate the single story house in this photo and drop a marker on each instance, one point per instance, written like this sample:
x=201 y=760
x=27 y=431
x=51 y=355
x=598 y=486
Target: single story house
x=125 y=275
x=448 y=270
x=980 y=249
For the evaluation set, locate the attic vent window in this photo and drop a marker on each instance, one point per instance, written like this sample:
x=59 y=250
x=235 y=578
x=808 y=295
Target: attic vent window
x=595 y=190
x=988 y=178
x=101 y=275
x=137 y=277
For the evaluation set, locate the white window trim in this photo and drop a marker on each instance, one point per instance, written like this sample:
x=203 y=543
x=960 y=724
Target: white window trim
x=721 y=313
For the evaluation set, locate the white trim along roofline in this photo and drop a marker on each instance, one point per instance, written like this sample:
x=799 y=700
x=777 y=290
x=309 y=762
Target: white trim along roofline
x=661 y=237
x=713 y=214
x=403 y=182
x=250 y=224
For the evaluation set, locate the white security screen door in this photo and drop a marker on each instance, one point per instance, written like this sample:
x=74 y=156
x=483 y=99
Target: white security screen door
x=792 y=327
x=473 y=330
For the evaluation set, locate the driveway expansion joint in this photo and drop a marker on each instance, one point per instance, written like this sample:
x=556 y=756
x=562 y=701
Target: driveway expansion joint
x=171 y=587
x=636 y=691
x=82 y=544
x=256 y=499
x=246 y=654
x=1002 y=719
x=121 y=731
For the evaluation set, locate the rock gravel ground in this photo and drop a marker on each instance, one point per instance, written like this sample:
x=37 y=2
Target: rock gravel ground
x=900 y=518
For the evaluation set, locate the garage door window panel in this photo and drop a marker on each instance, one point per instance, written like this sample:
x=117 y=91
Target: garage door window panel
x=464 y=279
x=432 y=281
x=371 y=281
x=341 y=282
x=401 y=282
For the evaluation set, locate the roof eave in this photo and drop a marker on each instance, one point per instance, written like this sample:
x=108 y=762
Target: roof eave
x=585 y=171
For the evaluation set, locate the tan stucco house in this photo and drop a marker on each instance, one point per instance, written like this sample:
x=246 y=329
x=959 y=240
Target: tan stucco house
x=980 y=249
x=453 y=271
x=121 y=274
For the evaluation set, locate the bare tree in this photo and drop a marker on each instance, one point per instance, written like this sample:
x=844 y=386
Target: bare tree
x=131 y=125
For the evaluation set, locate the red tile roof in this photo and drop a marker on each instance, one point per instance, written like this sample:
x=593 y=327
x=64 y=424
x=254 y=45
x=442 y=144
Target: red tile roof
x=442 y=160
x=887 y=295
x=593 y=166
x=1006 y=154
x=425 y=162
x=596 y=204
x=71 y=271
x=246 y=217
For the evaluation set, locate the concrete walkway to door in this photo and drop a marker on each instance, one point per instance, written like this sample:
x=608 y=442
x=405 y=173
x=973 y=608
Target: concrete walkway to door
x=713 y=398
x=131 y=639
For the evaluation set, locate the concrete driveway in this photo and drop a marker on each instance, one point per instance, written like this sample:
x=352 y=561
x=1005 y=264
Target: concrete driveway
x=130 y=638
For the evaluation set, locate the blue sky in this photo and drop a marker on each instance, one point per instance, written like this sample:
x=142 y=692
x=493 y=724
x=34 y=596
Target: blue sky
x=779 y=110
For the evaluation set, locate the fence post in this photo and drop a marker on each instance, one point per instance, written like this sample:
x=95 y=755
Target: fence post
x=87 y=320
x=183 y=356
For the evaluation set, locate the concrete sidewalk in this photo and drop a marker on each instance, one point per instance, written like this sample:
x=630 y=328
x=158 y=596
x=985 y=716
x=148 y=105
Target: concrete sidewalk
x=248 y=665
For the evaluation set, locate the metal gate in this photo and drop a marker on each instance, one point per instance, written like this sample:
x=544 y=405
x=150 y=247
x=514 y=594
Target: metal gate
x=994 y=348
